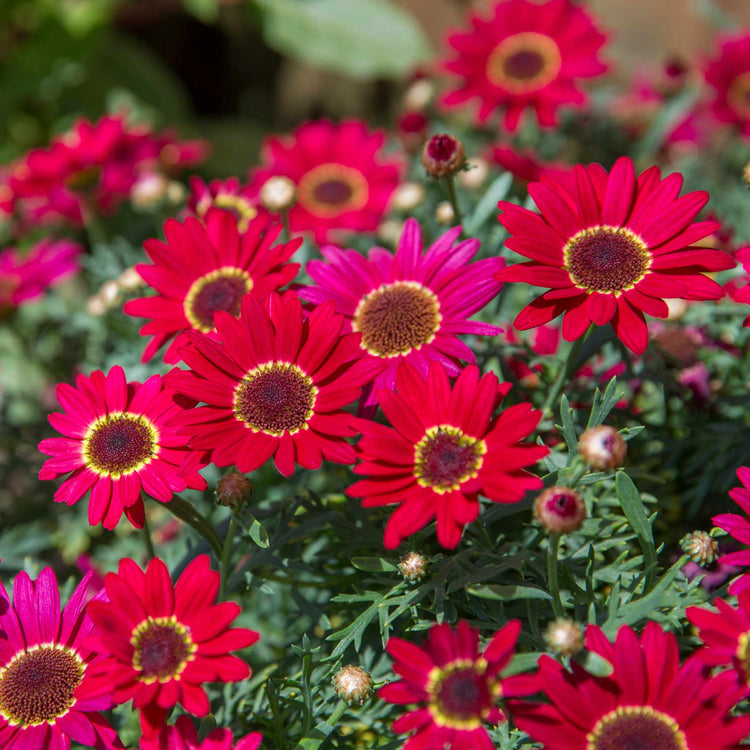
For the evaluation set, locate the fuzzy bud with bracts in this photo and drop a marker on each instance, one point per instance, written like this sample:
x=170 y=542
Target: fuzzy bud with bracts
x=443 y=156
x=560 y=510
x=564 y=637
x=412 y=566
x=602 y=448
x=353 y=684
x=701 y=546
x=233 y=490
x=278 y=194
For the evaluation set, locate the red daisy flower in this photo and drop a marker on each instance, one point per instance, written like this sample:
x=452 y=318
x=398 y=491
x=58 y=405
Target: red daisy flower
x=649 y=701
x=457 y=687
x=738 y=527
x=161 y=642
x=527 y=166
x=343 y=181
x=611 y=249
x=527 y=55
x=444 y=449
x=409 y=307
x=729 y=75
x=202 y=269
x=26 y=277
x=46 y=667
x=117 y=444
x=228 y=194
x=274 y=385
x=739 y=289
x=182 y=736
x=726 y=635
x=93 y=165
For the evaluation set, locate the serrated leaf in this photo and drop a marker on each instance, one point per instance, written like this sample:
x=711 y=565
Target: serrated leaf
x=635 y=512
x=360 y=38
x=507 y=593
x=374 y=564
x=254 y=528
x=488 y=203
x=603 y=404
x=568 y=426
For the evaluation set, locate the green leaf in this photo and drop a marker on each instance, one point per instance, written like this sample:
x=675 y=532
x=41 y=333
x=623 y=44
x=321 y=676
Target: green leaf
x=488 y=203
x=635 y=512
x=254 y=528
x=568 y=426
x=603 y=405
x=373 y=564
x=594 y=664
x=205 y=10
x=360 y=38
x=507 y=593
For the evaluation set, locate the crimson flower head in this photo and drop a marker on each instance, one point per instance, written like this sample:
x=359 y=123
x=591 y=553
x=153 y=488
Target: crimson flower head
x=456 y=687
x=25 y=277
x=729 y=76
x=343 y=179
x=738 y=527
x=649 y=701
x=46 y=669
x=275 y=384
x=611 y=247
x=228 y=194
x=162 y=642
x=117 y=442
x=205 y=268
x=411 y=306
x=444 y=449
x=182 y=736
x=527 y=55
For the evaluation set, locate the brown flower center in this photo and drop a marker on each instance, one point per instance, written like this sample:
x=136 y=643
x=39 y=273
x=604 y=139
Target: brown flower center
x=274 y=398
x=222 y=289
x=330 y=190
x=120 y=443
x=606 y=259
x=636 y=728
x=396 y=318
x=445 y=458
x=460 y=695
x=738 y=95
x=39 y=685
x=524 y=62
x=163 y=647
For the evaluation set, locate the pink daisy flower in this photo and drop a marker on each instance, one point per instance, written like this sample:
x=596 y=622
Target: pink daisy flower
x=729 y=76
x=46 y=670
x=228 y=194
x=182 y=736
x=411 y=306
x=527 y=55
x=118 y=443
x=343 y=179
x=738 y=527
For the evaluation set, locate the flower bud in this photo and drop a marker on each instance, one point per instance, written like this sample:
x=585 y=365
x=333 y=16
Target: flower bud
x=419 y=94
x=444 y=213
x=443 y=155
x=176 y=192
x=233 y=489
x=148 y=191
x=602 y=448
x=746 y=174
x=701 y=546
x=411 y=129
x=412 y=566
x=476 y=175
x=278 y=194
x=130 y=279
x=407 y=196
x=353 y=684
x=560 y=510
x=564 y=637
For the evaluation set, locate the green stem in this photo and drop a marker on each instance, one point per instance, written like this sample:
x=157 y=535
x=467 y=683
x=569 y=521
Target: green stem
x=450 y=189
x=287 y=233
x=147 y=541
x=187 y=513
x=554 y=585
x=566 y=371
x=226 y=553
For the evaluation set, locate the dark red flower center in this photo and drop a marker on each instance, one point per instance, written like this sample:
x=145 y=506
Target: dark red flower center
x=120 y=444
x=39 y=685
x=239 y=207
x=606 y=259
x=222 y=289
x=524 y=62
x=396 y=318
x=459 y=693
x=162 y=648
x=738 y=94
x=445 y=458
x=330 y=190
x=636 y=728
x=275 y=398
x=564 y=504
x=442 y=147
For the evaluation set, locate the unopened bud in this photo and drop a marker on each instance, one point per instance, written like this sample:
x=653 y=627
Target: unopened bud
x=129 y=279
x=602 y=448
x=564 y=637
x=476 y=175
x=412 y=566
x=110 y=293
x=233 y=489
x=353 y=684
x=419 y=94
x=746 y=174
x=444 y=213
x=148 y=191
x=560 y=510
x=95 y=306
x=278 y=194
x=390 y=231
x=701 y=546
x=407 y=196
x=443 y=155
x=176 y=192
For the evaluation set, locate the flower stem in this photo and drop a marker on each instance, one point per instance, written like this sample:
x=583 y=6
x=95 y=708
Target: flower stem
x=185 y=511
x=450 y=189
x=565 y=372
x=147 y=541
x=553 y=544
x=287 y=233
x=226 y=553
